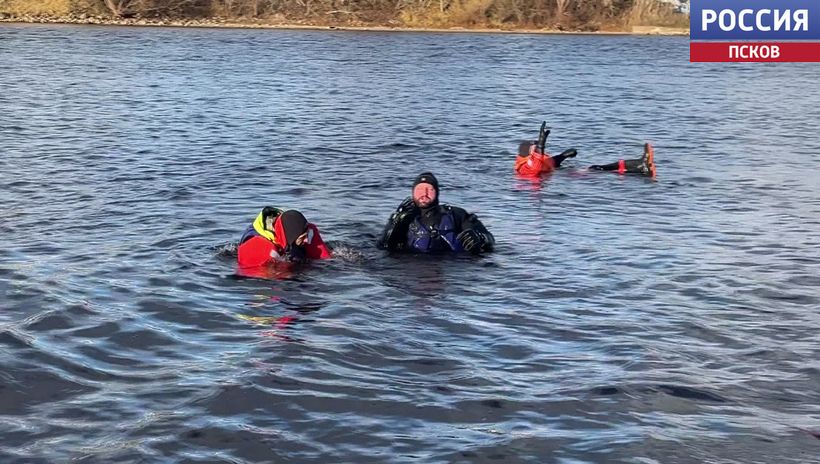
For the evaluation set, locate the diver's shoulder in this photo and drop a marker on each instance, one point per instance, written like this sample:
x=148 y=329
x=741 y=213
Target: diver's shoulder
x=453 y=209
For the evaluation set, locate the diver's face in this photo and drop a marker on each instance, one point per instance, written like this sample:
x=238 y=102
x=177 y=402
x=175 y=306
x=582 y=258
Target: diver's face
x=424 y=195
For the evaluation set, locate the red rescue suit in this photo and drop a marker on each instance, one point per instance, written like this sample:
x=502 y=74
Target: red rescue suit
x=259 y=246
x=534 y=164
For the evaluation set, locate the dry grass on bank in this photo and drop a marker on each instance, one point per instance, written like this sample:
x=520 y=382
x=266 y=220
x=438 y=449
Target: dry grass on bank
x=535 y=15
x=43 y=7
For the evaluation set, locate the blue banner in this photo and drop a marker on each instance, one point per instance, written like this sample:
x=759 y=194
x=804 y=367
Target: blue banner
x=754 y=20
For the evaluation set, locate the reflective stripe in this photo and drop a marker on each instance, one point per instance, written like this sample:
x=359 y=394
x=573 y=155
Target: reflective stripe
x=259 y=227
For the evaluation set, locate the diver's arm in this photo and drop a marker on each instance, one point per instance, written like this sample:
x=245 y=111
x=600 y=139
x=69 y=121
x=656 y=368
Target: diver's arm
x=474 y=236
x=395 y=231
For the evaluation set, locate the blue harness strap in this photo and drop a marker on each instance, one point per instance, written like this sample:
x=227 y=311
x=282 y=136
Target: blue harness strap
x=426 y=239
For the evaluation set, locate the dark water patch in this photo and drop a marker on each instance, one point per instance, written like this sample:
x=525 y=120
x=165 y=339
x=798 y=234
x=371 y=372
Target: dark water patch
x=691 y=393
x=14 y=339
x=110 y=359
x=23 y=389
x=606 y=391
x=17 y=459
x=141 y=339
x=242 y=445
x=49 y=322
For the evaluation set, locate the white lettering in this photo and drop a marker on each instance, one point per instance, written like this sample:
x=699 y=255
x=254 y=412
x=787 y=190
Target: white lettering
x=764 y=20
x=801 y=17
x=741 y=20
x=722 y=18
x=782 y=18
x=759 y=20
x=708 y=17
x=753 y=52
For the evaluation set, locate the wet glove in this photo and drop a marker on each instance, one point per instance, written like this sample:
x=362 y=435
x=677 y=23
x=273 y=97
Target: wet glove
x=472 y=241
x=406 y=208
x=407 y=205
x=391 y=239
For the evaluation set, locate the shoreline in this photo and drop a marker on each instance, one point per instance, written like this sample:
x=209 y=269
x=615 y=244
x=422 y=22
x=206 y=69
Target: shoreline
x=233 y=24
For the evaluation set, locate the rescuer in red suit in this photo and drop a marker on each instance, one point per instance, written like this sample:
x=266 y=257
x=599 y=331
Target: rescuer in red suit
x=278 y=236
x=533 y=160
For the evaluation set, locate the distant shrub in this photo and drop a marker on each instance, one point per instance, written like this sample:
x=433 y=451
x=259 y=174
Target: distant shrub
x=655 y=13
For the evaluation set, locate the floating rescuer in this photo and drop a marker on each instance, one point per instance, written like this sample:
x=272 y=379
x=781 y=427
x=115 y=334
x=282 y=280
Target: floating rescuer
x=533 y=160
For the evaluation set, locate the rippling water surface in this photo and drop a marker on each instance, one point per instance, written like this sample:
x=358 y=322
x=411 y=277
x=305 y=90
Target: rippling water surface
x=620 y=320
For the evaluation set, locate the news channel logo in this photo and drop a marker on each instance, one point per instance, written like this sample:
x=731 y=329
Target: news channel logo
x=754 y=30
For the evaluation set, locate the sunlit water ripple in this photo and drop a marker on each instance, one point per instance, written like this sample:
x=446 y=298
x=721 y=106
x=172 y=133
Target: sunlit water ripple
x=620 y=320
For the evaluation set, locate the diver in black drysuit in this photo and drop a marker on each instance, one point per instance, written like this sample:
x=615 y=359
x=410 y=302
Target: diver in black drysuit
x=420 y=224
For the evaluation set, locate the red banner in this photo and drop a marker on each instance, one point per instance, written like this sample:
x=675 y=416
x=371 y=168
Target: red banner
x=807 y=52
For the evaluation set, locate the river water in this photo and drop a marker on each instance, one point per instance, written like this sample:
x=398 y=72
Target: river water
x=619 y=320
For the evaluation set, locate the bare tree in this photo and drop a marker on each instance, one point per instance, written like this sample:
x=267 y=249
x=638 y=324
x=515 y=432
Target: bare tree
x=118 y=7
x=561 y=7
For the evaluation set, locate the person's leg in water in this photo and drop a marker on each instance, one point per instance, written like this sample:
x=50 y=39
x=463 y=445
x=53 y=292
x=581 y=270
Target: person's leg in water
x=644 y=165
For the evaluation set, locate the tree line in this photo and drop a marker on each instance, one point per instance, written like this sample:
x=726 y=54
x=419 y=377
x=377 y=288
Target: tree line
x=590 y=14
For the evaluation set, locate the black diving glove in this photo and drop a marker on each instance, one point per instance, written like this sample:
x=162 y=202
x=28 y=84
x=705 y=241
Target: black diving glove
x=472 y=241
x=407 y=205
x=406 y=208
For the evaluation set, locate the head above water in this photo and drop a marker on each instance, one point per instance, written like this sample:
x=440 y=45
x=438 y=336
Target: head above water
x=291 y=226
x=269 y=215
x=526 y=147
x=425 y=190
